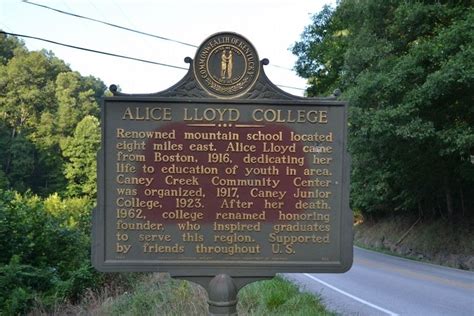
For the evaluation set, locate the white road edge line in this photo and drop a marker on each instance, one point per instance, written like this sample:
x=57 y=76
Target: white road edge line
x=350 y=295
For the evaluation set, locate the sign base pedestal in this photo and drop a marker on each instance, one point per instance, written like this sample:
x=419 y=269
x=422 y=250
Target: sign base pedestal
x=222 y=296
x=222 y=291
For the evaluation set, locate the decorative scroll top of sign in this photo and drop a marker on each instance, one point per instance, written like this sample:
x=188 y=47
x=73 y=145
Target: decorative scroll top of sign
x=226 y=65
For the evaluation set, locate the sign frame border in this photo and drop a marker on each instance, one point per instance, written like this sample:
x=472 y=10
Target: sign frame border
x=190 y=268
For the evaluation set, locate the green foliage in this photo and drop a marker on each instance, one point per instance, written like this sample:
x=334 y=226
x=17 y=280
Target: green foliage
x=45 y=242
x=30 y=233
x=76 y=99
x=81 y=150
x=45 y=250
x=20 y=162
x=8 y=44
x=49 y=136
x=71 y=212
x=407 y=70
x=158 y=295
x=41 y=103
x=20 y=283
x=318 y=54
x=278 y=297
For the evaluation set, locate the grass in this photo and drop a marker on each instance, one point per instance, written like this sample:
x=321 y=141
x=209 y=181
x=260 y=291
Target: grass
x=278 y=297
x=158 y=294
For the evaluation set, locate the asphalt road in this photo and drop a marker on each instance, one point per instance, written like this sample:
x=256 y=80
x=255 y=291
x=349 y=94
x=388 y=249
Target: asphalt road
x=379 y=284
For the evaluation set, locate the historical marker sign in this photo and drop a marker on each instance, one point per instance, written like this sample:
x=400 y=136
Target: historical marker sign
x=223 y=173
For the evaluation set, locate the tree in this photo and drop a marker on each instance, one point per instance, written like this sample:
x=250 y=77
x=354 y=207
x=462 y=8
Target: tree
x=319 y=54
x=41 y=103
x=76 y=99
x=8 y=44
x=81 y=151
x=407 y=69
x=45 y=108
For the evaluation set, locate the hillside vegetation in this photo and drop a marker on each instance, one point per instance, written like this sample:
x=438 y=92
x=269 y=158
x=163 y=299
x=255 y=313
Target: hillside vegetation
x=406 y=68
x=49 y=136
x=430 y=241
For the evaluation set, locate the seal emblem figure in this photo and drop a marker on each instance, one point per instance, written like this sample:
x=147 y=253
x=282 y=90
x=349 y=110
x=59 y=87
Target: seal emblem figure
x=226 y=65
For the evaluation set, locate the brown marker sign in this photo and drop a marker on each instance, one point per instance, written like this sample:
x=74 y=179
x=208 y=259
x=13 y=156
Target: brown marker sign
x=223 y=173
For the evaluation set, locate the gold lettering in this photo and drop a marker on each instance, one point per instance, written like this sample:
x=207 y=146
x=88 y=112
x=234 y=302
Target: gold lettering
x=137 y=203
x=229 y=250
x=317 y=149
x=235 y=203
x=122 y=179
x=183 y=215
x=122 y=133
x=236 y=227
x=147 y=114
x=154 y=237
x=240 y=216
x=202 y=147
x=171 y=180
x=290 y=116
x=211 y=114
x=299 y=182
x=233 y=238
x=160 y=157
x=316 y=137
x=157 y=248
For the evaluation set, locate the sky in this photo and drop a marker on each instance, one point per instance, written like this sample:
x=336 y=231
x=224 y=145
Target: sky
x=272 y=26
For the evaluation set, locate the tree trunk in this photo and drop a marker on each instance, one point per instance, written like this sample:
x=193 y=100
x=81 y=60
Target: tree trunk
x=420 y=209
x=9 y=159
x=461 y=196
x=449 y=199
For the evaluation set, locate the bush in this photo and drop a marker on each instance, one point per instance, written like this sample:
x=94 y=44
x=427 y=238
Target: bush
x=45 y=250
x=20 y=283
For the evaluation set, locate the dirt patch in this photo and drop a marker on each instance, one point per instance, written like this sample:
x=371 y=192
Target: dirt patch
x=436 y=242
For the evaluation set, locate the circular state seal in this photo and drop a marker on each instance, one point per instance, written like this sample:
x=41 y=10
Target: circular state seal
x=226 y=65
